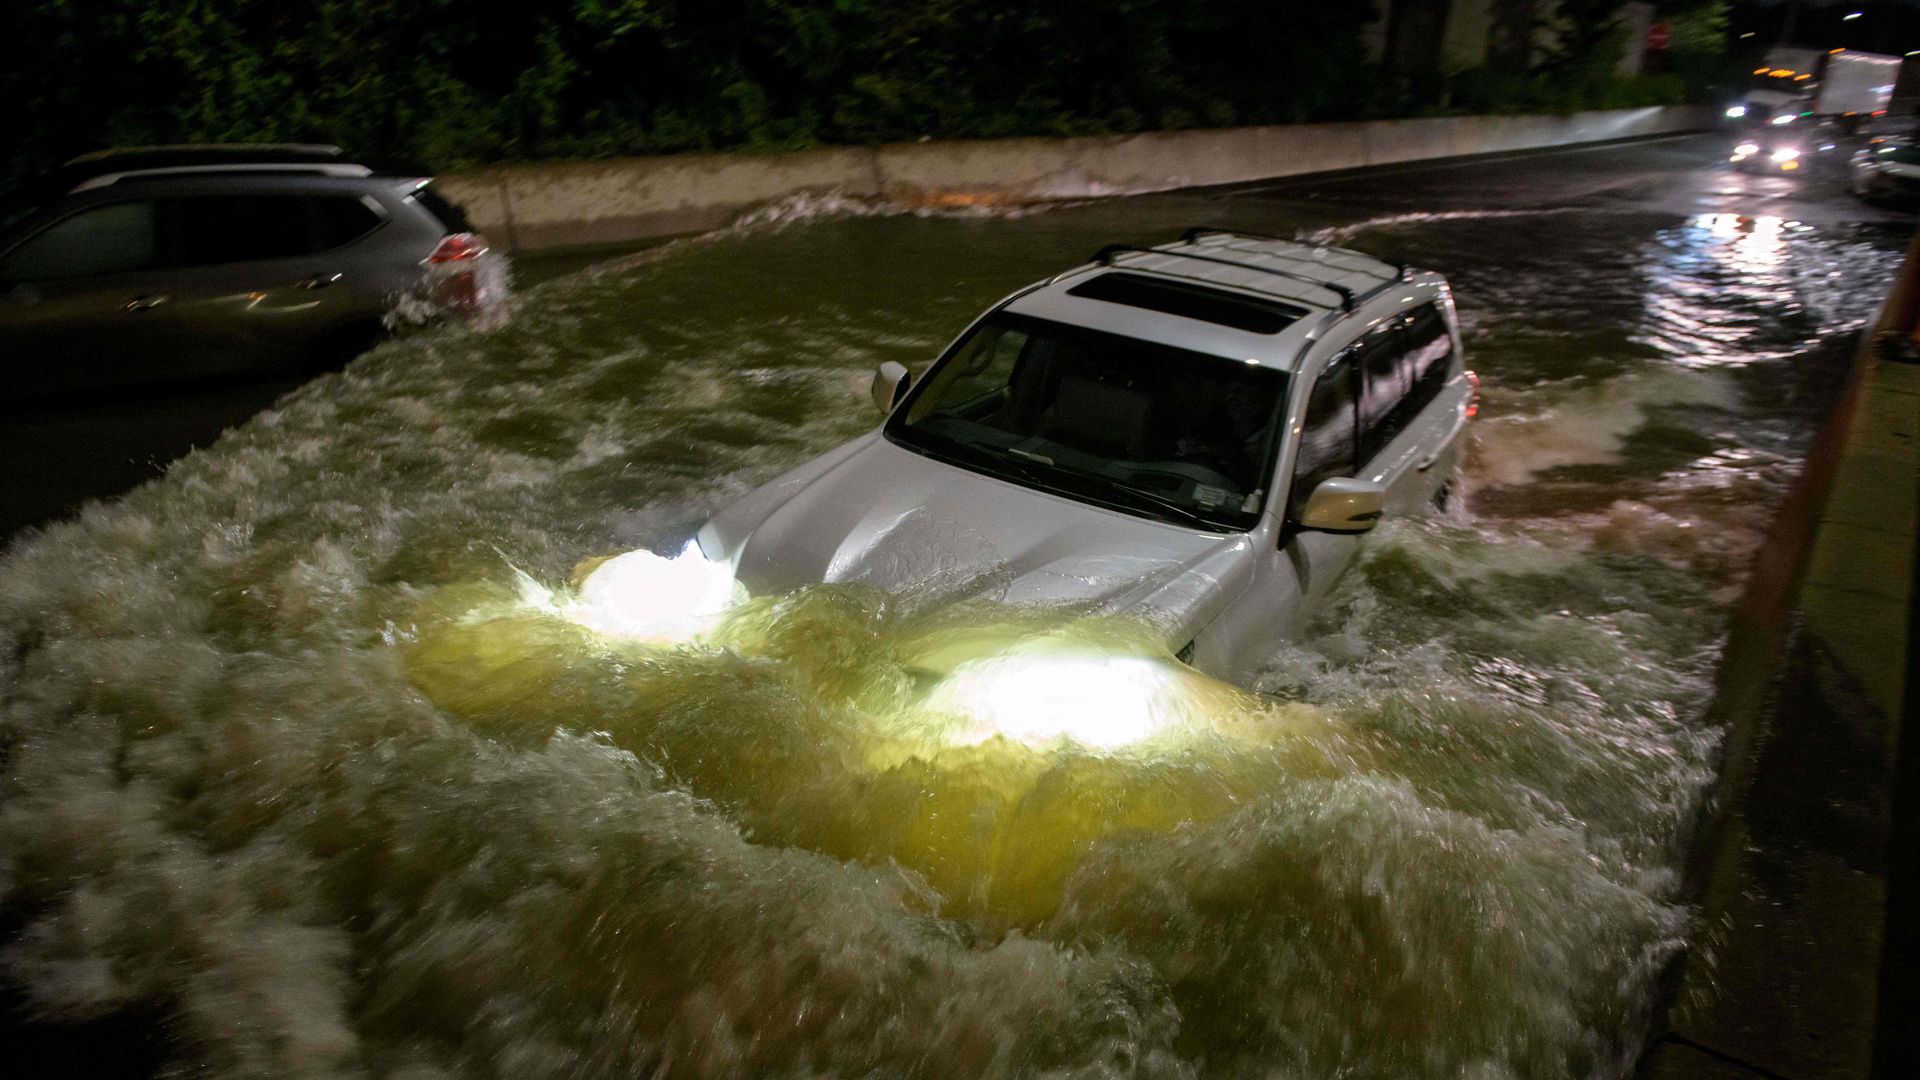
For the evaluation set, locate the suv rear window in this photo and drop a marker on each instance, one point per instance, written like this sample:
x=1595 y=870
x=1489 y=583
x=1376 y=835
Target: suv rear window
x=341 y=219
x=448 y=212
x=1254 y=315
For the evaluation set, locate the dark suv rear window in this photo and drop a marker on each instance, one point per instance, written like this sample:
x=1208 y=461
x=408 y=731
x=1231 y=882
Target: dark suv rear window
x=341 y=219
x=1254 y=315
x=448 y=212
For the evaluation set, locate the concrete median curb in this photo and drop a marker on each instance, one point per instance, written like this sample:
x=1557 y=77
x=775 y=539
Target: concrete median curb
x=554 y=205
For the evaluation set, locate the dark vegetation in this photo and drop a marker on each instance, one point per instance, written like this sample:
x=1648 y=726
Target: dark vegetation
x=451 y=82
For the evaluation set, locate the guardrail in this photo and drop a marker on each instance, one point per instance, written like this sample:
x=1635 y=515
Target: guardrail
x=584 y=203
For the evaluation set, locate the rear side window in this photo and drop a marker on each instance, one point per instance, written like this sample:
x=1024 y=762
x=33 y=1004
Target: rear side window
x=113 y=239
x=1383 y=386
x=214 y=229
x=447 y=212
x=1429 y=355
x=1326 y=436
x=340 y=219
x=191 y=231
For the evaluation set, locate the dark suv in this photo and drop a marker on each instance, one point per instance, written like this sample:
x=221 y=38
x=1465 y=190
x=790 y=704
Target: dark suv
x=167 y=263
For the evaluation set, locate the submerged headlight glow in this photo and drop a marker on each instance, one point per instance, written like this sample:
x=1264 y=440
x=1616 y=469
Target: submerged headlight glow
x=1746 y=148
x=1784 y=119
x=1786 y=153
x=1735 y=112
x=1040 y=698
x=641 y=596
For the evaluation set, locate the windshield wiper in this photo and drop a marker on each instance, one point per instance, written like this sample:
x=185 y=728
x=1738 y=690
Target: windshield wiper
x=1179 y=510
x=1166 y=505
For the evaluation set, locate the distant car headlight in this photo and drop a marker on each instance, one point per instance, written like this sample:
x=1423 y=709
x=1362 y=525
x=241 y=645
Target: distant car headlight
x=1747 y=148
x=1783 y=119
x=1736 y=112
x=1785 y=153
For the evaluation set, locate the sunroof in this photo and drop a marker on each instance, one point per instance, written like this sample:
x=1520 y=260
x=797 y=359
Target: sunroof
x=1249 y=313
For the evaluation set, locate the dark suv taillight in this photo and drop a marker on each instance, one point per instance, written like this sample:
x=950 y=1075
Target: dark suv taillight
x=457 y=276
x=1473 y=396
x=458 y=247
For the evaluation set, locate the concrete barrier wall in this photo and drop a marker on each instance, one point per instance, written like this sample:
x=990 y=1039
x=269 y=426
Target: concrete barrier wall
x=568 y=204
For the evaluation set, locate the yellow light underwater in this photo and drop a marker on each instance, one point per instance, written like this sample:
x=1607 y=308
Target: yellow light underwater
x=1098 y=700
x=641 y=596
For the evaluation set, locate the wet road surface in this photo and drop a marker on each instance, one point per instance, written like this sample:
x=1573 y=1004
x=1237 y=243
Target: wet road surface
x=296 y=763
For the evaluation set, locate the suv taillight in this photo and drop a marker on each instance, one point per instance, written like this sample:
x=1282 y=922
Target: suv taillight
x=458 y=247
x=1473 y=397
x=458 y=278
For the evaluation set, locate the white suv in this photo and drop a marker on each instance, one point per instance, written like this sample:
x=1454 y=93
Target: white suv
x=1196 y=432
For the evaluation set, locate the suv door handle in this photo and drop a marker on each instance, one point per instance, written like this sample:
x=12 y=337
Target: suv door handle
x=320 y=281
x=143 y=303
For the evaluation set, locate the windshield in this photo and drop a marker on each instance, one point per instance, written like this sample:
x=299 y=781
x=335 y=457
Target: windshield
x=1149 y=429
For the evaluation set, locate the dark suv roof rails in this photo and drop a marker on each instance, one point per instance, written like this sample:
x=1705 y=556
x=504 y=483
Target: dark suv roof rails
x=104 y=167
x=191 y=152
x=265 y=169
x=1199 y=231
x=1111 y=251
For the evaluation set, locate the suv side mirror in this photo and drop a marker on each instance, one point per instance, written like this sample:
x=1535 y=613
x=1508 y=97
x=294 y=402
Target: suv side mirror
x=1344 y=505
x=889 y=385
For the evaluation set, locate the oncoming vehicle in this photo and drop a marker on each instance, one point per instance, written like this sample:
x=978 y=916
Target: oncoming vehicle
x=1198 y=432
x=139 y=266
x=1787 y=149
x=1798 y=83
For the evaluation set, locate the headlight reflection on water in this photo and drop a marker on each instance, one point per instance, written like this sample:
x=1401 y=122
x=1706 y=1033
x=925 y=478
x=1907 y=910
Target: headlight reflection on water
x=1101 y=701
x=640 y=596
x=1043 y=694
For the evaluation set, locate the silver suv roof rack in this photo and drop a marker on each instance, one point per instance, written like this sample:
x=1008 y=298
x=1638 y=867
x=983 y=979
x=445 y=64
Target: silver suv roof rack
x=186 y=150
x=297 y=168
x=1109 y=254
x=1194 y=234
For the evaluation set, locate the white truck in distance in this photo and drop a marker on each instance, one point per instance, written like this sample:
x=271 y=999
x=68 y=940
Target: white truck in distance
x=1797 y=82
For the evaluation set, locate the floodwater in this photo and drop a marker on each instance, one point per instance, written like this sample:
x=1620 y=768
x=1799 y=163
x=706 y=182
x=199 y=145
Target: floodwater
x=303 y=761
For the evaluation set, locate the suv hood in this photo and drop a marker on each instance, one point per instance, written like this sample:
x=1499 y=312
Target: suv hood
x=876 y=513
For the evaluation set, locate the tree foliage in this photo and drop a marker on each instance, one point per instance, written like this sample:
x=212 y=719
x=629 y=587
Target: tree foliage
x=451 y=83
